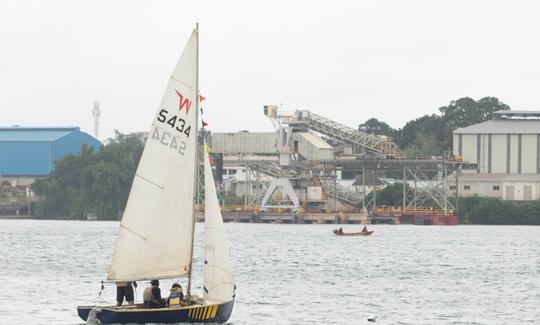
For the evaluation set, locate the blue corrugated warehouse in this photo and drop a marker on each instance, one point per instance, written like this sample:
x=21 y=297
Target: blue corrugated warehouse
x=32 y=151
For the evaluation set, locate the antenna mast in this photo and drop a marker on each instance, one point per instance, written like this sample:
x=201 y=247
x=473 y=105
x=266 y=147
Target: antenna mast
x=96 y=113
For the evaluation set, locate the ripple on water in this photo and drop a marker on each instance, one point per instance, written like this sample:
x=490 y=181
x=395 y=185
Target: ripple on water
x=297 y=274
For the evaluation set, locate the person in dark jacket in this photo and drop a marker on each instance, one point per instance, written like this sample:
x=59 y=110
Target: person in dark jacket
x=152 y=296
x=124 y=290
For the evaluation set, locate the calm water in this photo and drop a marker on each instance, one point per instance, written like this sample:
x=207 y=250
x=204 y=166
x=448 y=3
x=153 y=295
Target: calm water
x=297 y=274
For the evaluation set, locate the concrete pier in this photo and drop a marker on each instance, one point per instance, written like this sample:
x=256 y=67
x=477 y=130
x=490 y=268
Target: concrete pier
x=287 y=217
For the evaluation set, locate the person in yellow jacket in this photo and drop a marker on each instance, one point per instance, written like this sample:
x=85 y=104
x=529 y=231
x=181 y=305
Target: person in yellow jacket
x=176 y=296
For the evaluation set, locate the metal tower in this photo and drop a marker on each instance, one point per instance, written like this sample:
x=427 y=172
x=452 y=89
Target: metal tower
x=96 y=113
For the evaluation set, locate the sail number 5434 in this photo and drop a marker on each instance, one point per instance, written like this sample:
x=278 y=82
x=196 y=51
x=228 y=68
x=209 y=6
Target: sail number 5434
x=174 y=122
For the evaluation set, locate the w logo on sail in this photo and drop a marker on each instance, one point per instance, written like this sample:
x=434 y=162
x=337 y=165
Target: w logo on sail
x=184 y=102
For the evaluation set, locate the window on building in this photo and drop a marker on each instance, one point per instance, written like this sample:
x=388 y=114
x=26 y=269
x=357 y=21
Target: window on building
x=496 y=188
x=527 y=192
x=510 y=192
x=467 y=187
x=232 y=171
x=452 y=187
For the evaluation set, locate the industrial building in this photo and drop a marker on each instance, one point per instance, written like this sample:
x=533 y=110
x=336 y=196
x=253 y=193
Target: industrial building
x=32 y=151
x=244 y=142
x=295 y=175
x=520 y=187
x=308 y=145
x=27 y=153
x=506 y=150
x=507 y=144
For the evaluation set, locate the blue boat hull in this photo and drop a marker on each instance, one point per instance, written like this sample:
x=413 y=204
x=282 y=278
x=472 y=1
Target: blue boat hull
x=217 y=313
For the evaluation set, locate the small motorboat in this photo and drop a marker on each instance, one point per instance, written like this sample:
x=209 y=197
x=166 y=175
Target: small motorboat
x=340 y=232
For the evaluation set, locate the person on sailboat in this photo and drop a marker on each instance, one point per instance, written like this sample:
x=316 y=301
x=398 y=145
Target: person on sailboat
x=152 y=296
x=176 y=296
x=124 y=290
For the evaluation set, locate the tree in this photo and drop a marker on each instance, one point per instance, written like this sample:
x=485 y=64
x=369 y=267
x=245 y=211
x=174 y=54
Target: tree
x=432 y=134
x=374 y=126
x=416 y=132
x=92 y=182
x=466 y=111
x=391 y=195
x=425 y=145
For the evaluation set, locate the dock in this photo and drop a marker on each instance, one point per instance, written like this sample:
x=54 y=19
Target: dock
x=291 y=218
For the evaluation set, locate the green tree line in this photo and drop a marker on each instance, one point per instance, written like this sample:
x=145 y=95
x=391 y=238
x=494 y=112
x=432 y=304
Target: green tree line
x=432 y=134
x=491 y=211
x=91 y=182
x=474 y=210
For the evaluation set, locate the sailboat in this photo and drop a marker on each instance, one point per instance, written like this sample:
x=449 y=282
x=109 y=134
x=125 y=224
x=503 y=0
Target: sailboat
x=156 y=234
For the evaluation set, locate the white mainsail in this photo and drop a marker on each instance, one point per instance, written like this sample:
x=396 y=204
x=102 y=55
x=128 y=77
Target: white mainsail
x=155 y=236
x=218 y=276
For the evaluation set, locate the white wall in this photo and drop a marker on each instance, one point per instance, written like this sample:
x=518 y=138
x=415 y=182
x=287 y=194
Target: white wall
x=484 y=153
x=513 y=153
x=498 y=153
x=519 y=190
x=469 y=147
x=528 y=153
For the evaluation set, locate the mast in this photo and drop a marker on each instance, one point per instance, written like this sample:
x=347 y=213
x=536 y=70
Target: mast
x=196 y=165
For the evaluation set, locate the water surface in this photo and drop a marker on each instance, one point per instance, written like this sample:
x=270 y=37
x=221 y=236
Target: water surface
x=296 y=274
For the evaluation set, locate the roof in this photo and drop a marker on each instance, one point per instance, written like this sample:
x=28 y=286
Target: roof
x=502 y=127
x=315 y=140
x=505 y=113
x=499 y=177
x=45 y=134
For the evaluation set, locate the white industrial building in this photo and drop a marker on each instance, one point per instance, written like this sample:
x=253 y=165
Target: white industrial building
x=244 y=142
x=507 y=152
x=521 y=187
x=309 y=145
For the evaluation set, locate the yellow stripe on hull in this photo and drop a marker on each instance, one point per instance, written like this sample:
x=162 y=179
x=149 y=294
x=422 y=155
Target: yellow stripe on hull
x=207 y=314
x=214 y=311
x=203 y=313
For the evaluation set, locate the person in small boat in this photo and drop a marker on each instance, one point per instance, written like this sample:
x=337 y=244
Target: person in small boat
x=124 y=290
x=364 y=229
x=152 y=296
x=340 y=230
x=176 y=296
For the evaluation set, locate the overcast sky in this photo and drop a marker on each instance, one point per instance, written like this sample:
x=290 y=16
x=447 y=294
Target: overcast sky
x=346 y=60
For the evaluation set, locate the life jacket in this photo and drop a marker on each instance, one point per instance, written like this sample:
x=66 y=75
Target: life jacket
x=175 y=298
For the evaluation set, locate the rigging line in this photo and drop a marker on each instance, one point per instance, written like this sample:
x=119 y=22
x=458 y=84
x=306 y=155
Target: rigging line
x=165 y=268
x=161 y=250
x=132 y=232
x=149 y=181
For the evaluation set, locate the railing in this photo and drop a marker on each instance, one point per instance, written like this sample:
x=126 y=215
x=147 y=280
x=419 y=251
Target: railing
x=398 y=211
x=341 y=192
x=368 y=142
